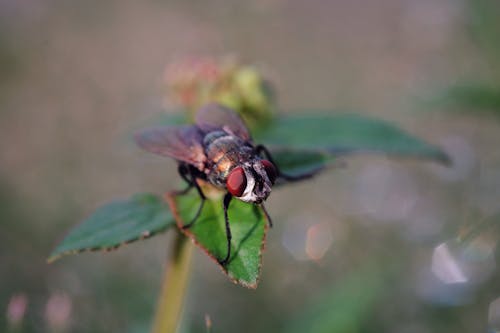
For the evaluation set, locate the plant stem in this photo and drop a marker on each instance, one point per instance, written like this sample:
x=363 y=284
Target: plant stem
x=169 y=308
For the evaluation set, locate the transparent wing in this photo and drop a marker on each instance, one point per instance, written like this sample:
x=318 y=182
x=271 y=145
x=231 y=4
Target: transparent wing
x=182 y=143
x=215 y=116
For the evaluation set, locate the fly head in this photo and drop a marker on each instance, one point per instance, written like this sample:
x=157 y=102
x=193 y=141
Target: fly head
x=252 y=181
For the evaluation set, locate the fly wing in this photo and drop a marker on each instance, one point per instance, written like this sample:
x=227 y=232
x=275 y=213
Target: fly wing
x=215 y=117
x=180 y=142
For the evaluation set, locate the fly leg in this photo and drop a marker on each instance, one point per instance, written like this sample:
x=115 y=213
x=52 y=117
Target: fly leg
x=266 y=214
x=269 y=221
x=261 y=150
x=188 y=173
x=227 y=200
x=183 y=171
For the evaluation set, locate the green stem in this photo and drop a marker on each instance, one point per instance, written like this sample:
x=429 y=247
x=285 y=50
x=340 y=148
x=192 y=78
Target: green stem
x=169 y=308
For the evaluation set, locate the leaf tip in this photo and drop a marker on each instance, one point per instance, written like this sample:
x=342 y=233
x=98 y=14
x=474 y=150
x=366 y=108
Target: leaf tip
x=443 y=158
x=52 y=258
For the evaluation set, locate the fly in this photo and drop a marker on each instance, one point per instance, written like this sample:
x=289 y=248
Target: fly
x=218 y=149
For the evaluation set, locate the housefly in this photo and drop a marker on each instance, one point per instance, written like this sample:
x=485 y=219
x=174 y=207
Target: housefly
x=217 y=149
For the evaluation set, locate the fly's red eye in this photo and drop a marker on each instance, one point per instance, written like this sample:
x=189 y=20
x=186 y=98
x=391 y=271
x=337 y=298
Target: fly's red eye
x=270 y=170
x=236 y=182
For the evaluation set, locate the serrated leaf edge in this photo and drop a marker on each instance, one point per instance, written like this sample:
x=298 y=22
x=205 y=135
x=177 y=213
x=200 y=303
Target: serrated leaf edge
x=144 y=235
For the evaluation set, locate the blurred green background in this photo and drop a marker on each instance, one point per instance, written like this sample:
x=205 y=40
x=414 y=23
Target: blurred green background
x=367 y=248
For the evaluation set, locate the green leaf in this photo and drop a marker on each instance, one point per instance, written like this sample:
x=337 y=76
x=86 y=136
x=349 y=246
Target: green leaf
x=248 y=227
x=116 y=224
x=345 y=133
x=300 y=161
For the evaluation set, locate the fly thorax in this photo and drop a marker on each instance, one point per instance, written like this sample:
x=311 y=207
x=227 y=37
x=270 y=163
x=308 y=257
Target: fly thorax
x=212 y=136
x=219 y=145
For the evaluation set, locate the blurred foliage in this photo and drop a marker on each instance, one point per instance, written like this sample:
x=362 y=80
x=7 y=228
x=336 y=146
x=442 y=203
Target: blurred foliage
x=10 y=60
x=471 y=97
x=347 y=306
x=195 y=82
x=484 y=29
x=346 y=133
